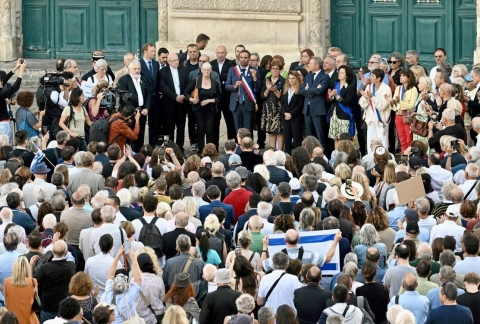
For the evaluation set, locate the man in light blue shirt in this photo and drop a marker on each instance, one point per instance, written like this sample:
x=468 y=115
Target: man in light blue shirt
x=10 y=241
x=396 y=214
x=471 y=260
x=411 y=299
x=447 y=274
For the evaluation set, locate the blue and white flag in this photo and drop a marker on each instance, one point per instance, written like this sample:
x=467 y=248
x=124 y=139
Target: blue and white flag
x=314 y=241
x=37 y=158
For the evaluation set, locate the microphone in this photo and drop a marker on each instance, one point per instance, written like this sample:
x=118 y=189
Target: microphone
x=67 y=75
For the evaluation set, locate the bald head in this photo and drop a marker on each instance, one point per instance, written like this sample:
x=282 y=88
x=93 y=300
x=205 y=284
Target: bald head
x=457 y=195
x=78 y=199
x=181 y=219
x=6 y=214
x=314 y=275
x=447 y=89
x=255 y=223
x=172 y=60
x=59 y=249
x=476 y=124
x=373 y=255
x=292 y=237
x=359 y=168
x=218 y=168
x=209 y=272
x=221 y=53
x=409 y=282
x=18 y=191
x=317 y=151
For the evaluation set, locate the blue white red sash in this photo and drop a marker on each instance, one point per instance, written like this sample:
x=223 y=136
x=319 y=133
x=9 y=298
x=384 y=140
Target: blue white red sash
x=245 y=83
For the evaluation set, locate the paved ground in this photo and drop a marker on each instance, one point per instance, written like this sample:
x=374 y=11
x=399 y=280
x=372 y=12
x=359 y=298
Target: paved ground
x=37 y=67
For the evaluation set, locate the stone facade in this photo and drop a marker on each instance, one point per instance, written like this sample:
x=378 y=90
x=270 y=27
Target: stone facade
x=11 y=38
x=267 y=26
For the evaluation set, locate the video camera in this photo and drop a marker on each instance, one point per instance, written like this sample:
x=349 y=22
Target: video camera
x=57 y=79
x=110 y=98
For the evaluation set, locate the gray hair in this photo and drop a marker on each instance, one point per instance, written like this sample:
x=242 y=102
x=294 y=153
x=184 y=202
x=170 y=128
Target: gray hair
x=423 y=205
x=475 y=153
x=264 y=209
x=350 y=257
x=134 y=62
x=424 y=251
x=120 y=284
x=127 y=54
x=310 y=182
x=447 y=188
x=341 y=157
x=217 y=168
x=335 y=319
x=207 y=65
x=58 y=178
x=77 y=158
x=449 y=290
x=309 y=169
x=245 y=303
x=233 y=179
x=284 y=189
x=351 y=270
x=414 y=53
x=330 y=194
x=99 y=64
x=393 y=312
x=209 y=272
x=97 y=201
x=49 y=221
x=108 y=214
x=447 y=274
x=6 y=214
x=447 y=258
x=62 y=137
x=265 y=314
x=368 y=235
x=179 y=206
x=280 y=261
x=472 y=170
x=85 y=189
x=331 y=222
x=68 y=64
x=269 y=158
x=256 y=54
x=17 y=230
x=405 y=317
x=134 y=193
x=125 y=197
x=183 y=243
x=449 y=114
x=318 y=60
x=97 y=167
x=307 y=220
x=40 y=193
x=58 y=203
x=4 y=140
x=198 y=189
x=281 y=158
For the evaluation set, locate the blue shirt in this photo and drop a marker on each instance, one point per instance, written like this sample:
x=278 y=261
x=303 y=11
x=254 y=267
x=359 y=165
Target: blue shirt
x=434 y=298
x=469 y=264
x=206 y=210
x=121 y=300
x=422 y=237
x=24 y=220
x=415 y=303
x=6 y=263
x=395 y=215
x=212 y=257
x=87 y=207
x=361 y=250
x=457 y=314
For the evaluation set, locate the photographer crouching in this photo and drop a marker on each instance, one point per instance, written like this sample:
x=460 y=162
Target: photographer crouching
x=120 y=126
x=134 y=84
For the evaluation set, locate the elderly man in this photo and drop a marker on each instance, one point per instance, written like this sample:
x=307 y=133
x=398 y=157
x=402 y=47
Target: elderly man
x=449 y=227
x=448 y=258
x=10 y=242
x=264 y=210
x=447 y=274
x=450 y=311
x=411 y=299
x=125 y=199
x=373 y=255
x=183 y=262
x=40 y=173
x=424 y=252
x=108 y=227
x=452 y=195
x=169 y=239
x=393 y=277
x=468 y=187
x=6 y=215
x=21 y=247
x=277 y=175
x=218 y=169
x=438 y=174
x=238 y=198
x=451 y=128
x=296 y=251
x=86 y=176
x=85 y=234
x=367 y=161
x=127 y=58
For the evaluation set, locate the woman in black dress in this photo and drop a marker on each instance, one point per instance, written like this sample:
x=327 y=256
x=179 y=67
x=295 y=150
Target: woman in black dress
x=204 y=103
x=374 y=292
x=291 y=113
x=271 y=92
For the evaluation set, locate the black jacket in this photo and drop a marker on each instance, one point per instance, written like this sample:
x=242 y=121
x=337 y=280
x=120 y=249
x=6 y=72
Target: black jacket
x=126 y=83
x=169 y=241
x=307 y=296
x=219 y=304
x=277 y=175
x=349 y=99
x=250 y=159
x=295 y=107
x=167 y=87
x=215 y=92
x=220 y=182
x=227 y=64
x=130 y=213
x=345 y=227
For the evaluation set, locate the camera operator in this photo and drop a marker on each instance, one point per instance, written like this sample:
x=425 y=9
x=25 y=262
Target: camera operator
x=57 y=93
x=94 y=102
x=451 y=128
x=418 y=148
x=134 y=84
x=25 y=119
x=97 y=55
x=5 y=126
x=120 y=126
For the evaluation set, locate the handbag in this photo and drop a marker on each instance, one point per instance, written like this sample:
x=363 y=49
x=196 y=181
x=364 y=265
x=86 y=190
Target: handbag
x=37 y=303
x=419 y=127
x=194 y=93
x=158 y=317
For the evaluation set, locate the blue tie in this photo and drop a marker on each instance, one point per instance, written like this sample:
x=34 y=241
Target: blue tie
x=150 y=67
x=242 y=95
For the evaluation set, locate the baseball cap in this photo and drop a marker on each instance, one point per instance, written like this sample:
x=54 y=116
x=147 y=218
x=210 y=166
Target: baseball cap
x=242 y=172
x=412 y=228
x=234 y=159
x=411 y=215
x=453 y=210
x=294 y=184
x=415 y=162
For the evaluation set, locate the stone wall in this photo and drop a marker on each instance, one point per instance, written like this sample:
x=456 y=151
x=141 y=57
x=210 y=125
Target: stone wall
x=267 y=26
x=11 y=38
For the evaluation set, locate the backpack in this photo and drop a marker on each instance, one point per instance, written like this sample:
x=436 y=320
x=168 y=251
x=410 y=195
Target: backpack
x=47 y=257
x=15 y=162
x=366 y=317
x=150 y=236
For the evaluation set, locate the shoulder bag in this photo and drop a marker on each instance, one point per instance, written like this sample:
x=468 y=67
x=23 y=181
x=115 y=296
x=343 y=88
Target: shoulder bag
x=273 y=287
x=419 y=127
x=158 y=317
x=194 y=93
x=37 y=303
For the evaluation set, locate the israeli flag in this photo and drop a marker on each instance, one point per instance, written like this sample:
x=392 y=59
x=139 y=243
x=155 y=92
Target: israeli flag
x=314 y=241
x=37 y=158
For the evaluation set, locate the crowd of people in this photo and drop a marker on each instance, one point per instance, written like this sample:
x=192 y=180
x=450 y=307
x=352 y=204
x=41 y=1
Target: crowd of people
x=114 y=230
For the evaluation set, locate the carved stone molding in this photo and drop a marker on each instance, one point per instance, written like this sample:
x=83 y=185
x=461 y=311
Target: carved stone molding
x=163 y=20
x=6 y=18
x=263 y=6
x=315 y=15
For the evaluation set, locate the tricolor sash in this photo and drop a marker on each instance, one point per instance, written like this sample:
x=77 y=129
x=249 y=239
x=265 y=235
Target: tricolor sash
x=245 y=83
x=372 y=89
x=347 y=110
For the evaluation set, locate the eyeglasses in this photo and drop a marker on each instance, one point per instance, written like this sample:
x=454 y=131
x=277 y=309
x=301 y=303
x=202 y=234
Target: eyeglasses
x=393 y=62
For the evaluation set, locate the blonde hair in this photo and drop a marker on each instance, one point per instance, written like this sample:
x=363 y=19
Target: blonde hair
x=363 y=180
x=427 y=80
x=462 y=69
x=211 y=224
x=21 y=270
x=153 y=256
x=175 y=315
x=164 y=211
x=263 y=171
x=389 y=175
x=343 y=171
x=5 y=176
x=99 y=87
x=190 y=206
x=195 y=159
x=419 y=72
x=455 y=105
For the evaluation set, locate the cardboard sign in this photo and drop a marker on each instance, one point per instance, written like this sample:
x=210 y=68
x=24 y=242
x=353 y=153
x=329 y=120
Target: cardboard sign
x=410 y=189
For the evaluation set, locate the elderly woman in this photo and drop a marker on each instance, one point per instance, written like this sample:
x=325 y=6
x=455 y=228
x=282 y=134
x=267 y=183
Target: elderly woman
x=204 y=93
x=244 y=241
x=351 y=270
x=100 y=68
x=40 y=193
x=396 y=61
x=307 y=220
x=369 y=238
x=245 y=305
x=212 y=225
x=81 y=289
x=93 y=107
x=425 y=97
x=118 y=292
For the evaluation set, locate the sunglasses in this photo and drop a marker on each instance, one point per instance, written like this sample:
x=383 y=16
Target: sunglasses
x=393 y=62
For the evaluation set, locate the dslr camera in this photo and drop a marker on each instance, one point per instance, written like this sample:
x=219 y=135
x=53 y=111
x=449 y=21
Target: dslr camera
x=57 y=79
x=109 y=100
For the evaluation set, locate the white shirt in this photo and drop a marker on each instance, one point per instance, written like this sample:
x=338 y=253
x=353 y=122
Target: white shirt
x=283 y=292
x=97 y=267
x=84 y=243
x=448 y=228
x=107 y=78
x=58 y=99
x=111 y=229
x=161 y=223
x=478 y=140
x=119 y=218
x=267 y=228
x=176 y=80
x=220 y=66
x=138 y=88
x=439 y=176
x=466 y=186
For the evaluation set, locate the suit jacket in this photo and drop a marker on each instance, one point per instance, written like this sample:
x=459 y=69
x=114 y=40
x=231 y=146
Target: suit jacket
x=315 y=96
x=206 y=210
x=294 y=65
x=295 y=107
x=130 y=213
x=223 y=74
x=152 y=79
x=169 y=241
x=219 y=304
x=307 y=295
x=86 y=176
x=120 y=73
x=277 y=175
x=232 y=78
x=333 y=79
x=126 y=83
x=474 y=105
x=167 y=87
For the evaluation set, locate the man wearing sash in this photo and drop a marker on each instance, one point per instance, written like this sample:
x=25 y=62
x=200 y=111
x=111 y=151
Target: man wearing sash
x=244 y=84
x=376 y=107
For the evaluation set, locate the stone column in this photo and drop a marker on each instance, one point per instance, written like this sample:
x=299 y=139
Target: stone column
x=11 y=38
x=476 y=54
x=319 y=26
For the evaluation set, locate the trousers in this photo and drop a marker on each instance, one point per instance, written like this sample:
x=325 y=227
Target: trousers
x=374 y=130
x=404 y=133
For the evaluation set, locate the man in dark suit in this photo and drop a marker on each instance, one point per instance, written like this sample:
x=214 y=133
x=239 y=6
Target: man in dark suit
x=311 y=294
x=169 y=240
x=149 y=71
x=277 y=175
x=244 y=84
x=173 y=80
x=131 y=83
x=314 y=89
x=474 y=105
x=222 y=65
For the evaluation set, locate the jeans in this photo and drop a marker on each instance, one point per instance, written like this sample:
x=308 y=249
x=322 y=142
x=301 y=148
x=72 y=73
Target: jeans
x=205 y=123
x=6 y=128
x=45 y=316
x=83 y=144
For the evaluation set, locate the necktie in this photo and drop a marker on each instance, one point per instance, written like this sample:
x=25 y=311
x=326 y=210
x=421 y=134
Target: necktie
x=242 y=95
x=150 y=67
x=313 y=78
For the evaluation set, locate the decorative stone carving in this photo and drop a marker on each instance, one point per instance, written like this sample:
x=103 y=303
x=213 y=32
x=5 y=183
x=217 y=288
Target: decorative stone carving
x=163 y=20
x=6 y=18
x=315 y=15
x=264 y=6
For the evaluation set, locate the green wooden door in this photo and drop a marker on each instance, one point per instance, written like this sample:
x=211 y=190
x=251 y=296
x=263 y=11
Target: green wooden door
x=365 y=27
x=73 y=29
